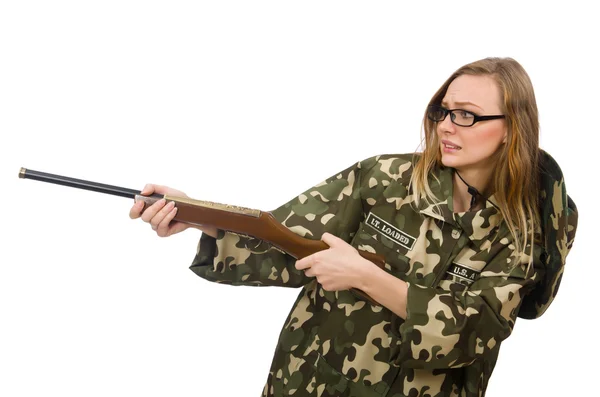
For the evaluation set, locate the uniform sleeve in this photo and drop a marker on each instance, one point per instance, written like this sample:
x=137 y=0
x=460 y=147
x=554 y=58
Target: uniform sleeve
x=559 y=235
x=332 y=206
x=450 y=328
x=558 y=216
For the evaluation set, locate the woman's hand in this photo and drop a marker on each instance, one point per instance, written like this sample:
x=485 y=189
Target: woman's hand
x=160 y=214
x=340 y=267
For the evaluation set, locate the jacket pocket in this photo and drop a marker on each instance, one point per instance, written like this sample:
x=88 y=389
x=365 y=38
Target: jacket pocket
x=311 y=376
x=367 y=239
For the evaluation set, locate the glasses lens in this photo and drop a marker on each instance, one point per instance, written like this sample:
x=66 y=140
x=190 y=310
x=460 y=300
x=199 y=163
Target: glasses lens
x=435 y=113
x=463 y=118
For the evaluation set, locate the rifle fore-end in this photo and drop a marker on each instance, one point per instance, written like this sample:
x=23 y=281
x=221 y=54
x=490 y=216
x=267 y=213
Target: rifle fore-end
x=199 y=203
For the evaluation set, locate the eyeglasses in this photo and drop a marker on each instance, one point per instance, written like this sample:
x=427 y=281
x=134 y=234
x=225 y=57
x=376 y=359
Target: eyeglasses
x=461 y=117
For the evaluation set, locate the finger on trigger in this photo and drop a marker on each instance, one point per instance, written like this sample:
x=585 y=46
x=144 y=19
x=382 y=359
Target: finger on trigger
x=302 y=264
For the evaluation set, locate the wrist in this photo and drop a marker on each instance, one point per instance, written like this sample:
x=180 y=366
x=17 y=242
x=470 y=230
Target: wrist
x=365 y=274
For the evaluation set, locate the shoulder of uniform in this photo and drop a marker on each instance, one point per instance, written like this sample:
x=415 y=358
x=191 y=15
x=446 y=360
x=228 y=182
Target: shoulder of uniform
x=396 y=159
x=397 y=167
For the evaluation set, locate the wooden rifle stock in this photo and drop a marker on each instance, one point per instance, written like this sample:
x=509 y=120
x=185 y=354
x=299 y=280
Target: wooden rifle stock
x=244 y=221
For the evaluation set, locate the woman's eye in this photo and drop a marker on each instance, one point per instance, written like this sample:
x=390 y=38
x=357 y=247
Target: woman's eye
x=465 y=115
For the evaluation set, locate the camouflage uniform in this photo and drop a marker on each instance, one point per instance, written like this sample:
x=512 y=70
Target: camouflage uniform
x=466 y=285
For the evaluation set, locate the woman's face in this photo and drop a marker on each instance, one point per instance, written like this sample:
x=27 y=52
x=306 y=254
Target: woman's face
x=472 y=147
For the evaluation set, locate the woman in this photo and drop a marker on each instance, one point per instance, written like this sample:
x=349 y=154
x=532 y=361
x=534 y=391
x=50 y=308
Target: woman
x=475 y=231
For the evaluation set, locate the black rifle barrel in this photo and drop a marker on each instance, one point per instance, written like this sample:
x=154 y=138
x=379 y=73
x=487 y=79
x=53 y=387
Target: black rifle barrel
x=81 y=184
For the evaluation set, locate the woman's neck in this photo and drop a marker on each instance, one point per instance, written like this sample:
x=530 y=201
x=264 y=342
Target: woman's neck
x=479 y=179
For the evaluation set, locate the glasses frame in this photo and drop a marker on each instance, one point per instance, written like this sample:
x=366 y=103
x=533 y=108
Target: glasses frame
x=476 y=118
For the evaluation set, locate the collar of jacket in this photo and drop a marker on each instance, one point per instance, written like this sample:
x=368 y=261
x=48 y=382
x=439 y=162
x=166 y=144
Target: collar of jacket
x=476 y=224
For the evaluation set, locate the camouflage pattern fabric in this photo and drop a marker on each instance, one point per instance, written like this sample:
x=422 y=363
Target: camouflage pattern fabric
x=465 y=285
x=559 y=223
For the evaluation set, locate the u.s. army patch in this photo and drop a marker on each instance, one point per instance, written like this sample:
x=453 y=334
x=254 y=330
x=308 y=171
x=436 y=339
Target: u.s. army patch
x=386 y=229
x=464 y=273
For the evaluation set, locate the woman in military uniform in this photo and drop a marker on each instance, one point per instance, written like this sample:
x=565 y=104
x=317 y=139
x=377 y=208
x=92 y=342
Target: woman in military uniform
x=474 y=231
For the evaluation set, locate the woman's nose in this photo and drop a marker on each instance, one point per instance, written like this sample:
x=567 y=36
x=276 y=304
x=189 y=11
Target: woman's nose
x=447 y=125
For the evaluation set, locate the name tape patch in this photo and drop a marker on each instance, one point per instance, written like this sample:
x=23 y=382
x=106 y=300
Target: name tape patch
x=463 y=272
x=393 y=233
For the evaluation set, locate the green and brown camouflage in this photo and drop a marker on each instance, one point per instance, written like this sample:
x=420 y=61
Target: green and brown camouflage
x=466 y=284
x=559 y=223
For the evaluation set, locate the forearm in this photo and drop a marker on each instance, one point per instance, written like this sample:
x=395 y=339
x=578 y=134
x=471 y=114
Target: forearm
x=386 y=289
x=239 y=260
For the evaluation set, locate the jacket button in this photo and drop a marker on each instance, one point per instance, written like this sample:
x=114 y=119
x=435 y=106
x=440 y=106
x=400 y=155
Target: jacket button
x=455 y=234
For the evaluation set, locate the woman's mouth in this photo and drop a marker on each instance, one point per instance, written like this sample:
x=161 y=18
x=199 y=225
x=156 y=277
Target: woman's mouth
x=449 y=147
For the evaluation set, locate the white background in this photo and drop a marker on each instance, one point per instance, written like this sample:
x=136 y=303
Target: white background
x=246 y=103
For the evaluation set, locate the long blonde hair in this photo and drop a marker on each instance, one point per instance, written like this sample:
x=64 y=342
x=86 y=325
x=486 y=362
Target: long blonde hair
x=515 y=177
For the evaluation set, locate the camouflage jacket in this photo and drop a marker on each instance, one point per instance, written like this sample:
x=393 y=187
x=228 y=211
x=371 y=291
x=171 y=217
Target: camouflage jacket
x=466 y=285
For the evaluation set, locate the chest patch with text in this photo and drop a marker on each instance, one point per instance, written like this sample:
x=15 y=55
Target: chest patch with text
x=391 y=232
x=464 y=273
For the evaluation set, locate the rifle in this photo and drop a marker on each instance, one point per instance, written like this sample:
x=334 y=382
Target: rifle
x=240 y=220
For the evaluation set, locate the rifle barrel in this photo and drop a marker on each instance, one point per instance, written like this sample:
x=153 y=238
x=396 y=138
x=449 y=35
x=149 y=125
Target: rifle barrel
x=81 y=184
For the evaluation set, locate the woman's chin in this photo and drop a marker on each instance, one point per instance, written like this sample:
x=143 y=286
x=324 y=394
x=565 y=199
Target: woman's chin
x=450 y=161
